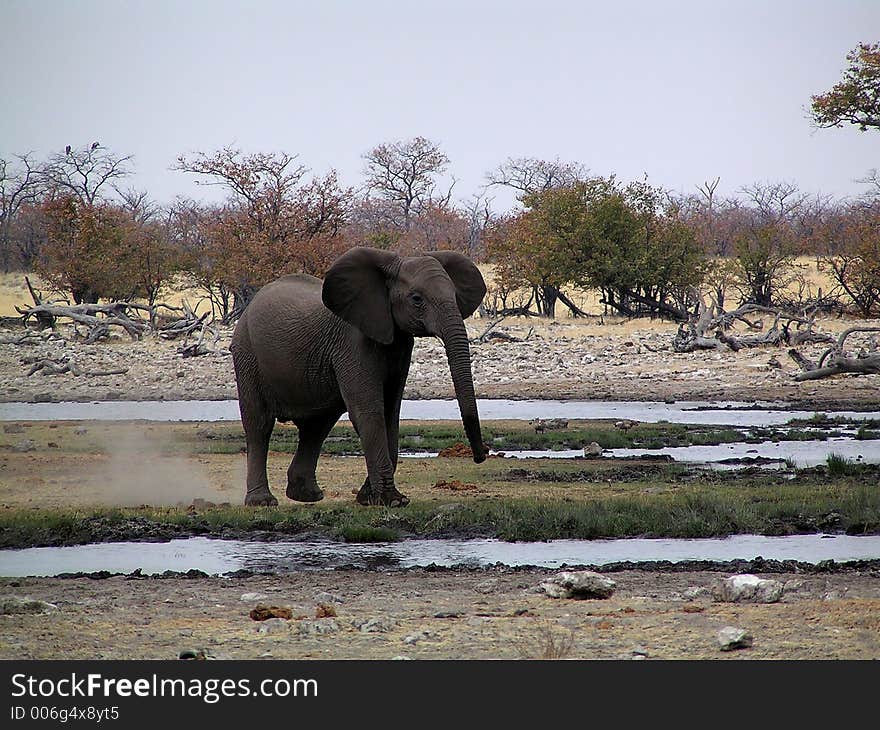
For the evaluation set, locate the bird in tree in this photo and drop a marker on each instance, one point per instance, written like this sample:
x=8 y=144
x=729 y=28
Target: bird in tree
x=95 y=146
x=67 y=150
x=856 y=98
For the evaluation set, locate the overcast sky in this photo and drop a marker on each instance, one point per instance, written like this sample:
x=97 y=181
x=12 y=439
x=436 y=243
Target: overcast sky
x=683 y=91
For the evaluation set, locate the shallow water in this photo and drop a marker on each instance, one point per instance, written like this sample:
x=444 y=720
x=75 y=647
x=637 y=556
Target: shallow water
x=224 y=556
x=691 y=412
x=803 y=453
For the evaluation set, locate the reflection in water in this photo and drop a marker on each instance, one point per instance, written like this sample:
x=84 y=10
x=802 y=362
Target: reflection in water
x=217 y=557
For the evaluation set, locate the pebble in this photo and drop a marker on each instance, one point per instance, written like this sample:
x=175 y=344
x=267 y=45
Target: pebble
x=732 y=637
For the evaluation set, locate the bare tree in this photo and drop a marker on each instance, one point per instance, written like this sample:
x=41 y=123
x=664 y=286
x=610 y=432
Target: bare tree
x=85 y=172
x=529 y=175
x=404 y=174
x=17 y=187
x=138 y=205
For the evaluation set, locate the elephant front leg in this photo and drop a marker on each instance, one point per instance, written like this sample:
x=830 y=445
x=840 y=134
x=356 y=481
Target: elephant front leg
x=379 y=487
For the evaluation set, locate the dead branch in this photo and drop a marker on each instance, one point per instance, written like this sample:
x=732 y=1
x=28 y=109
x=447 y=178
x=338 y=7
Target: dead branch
x=44 y=320
x=696 y=333
x=838 y=361
x=87 y=314
x=199 y=347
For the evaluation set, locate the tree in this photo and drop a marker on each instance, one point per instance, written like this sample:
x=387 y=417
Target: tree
x=85 y=173
x=766 y=244
x=529 y=175
x=18 y=187
x=852 y=258
x=403 y=175
x=87 y=250
x=856 y=98
x=274 y=221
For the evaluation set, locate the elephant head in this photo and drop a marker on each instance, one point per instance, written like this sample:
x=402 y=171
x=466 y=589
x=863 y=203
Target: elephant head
x=381 y=293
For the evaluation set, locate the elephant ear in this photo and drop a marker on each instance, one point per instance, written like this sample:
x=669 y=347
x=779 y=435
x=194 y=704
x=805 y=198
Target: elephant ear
x=469 y=285
x=356 y=290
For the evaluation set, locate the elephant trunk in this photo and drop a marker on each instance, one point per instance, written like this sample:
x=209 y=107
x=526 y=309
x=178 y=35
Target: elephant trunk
x=458 y=354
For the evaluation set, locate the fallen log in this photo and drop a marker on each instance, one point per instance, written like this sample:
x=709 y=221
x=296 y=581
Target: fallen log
x=835 y=360
x=113 y=313
x=696 y=333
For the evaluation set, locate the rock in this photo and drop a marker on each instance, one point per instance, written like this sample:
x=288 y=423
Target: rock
x=746 y=588
x=325 y=610
x=13 y=428
x=449 y=614
x=419 y=636
x=731 y=637
x=313 y=627
x=578 y=584
x=792 y=585
x=273 y=626
x=264 y=613
x=251 y=597
x=21 y=604
x=373 y=625
x=487 y=586
x=43 y=398
x=326 y=597
x=692 y=593
x=592 y=450
x=24 y=446
x=192 y=654
x=400 y=658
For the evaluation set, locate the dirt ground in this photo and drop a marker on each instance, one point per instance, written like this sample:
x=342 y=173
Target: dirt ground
x=438 y=615
x=563 y=359
x=420 y=614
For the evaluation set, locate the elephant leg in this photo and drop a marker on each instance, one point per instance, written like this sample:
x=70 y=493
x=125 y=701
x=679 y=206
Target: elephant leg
x=374 y=438
x=393 y=398
x=258 y=430
x=258 y=423
x=301 y=483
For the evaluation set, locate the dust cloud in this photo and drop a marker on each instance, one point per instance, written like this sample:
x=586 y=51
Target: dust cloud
x=141 y=471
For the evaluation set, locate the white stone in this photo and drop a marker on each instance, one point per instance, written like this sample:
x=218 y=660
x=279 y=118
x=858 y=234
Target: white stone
x=578 y=584
x=732 y=637
x=747 y=588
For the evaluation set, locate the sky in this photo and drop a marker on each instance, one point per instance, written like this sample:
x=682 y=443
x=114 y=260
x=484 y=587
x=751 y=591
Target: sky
x=682 y=91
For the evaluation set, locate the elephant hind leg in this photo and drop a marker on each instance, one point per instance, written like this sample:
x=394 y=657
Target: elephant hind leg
x=258 y=423
x=302 y=485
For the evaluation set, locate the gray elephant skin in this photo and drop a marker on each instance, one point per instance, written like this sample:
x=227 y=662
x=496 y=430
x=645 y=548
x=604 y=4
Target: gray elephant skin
x=307 y=351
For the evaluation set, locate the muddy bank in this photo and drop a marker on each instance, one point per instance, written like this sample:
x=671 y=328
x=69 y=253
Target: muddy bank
x=423 y=614
x=563 y=359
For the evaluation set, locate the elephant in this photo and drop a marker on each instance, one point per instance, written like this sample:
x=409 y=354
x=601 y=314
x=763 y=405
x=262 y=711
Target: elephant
x=307 y=352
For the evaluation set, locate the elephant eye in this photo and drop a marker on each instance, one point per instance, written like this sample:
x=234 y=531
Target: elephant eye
x=417 y=298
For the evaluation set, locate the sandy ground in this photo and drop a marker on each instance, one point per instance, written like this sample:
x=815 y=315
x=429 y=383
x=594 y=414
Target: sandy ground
x=443 y=614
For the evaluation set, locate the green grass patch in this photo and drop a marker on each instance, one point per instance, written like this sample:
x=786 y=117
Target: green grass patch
x=716 y=506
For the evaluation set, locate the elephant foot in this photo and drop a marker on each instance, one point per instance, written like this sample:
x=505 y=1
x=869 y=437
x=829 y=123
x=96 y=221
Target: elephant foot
x=304 y=490
x=389 y=498
x=260 y=498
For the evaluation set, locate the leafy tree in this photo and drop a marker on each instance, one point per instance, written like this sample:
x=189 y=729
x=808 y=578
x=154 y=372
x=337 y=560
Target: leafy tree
x=852 y=239
x=87 y=250
x=275 y=221
x=856 y=98
x=597 y=234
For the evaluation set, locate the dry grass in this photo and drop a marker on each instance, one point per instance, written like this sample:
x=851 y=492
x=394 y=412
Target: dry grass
x=13 y=290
